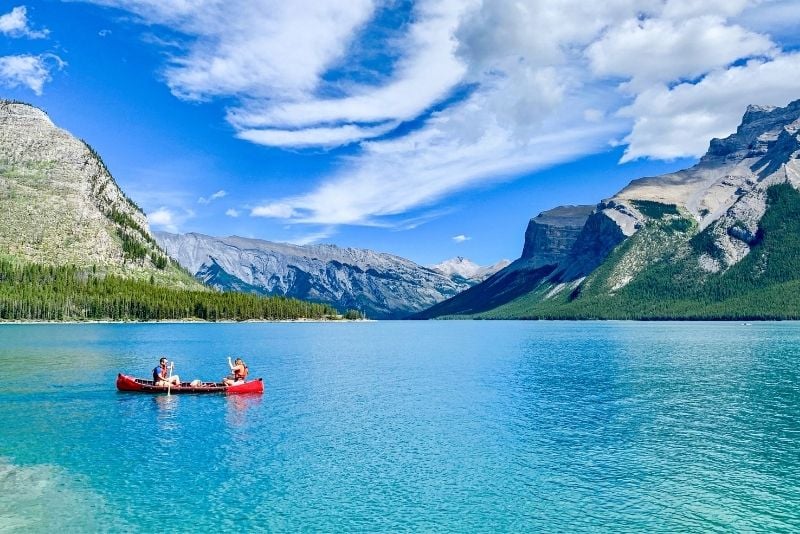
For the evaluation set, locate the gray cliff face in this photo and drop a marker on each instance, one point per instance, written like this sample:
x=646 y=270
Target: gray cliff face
x=551 y=234
x=760 y=128
x=598 y=237
x=60 y=205
x=381 y=285
x=725 y=192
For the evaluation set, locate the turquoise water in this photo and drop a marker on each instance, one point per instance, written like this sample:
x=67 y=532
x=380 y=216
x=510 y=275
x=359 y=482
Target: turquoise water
x=391 y=426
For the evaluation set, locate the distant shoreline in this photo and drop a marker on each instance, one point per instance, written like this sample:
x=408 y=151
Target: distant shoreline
x=742 y=322
x=190 y=321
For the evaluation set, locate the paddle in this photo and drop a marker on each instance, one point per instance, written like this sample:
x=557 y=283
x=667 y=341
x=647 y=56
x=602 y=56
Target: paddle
x=169 y=377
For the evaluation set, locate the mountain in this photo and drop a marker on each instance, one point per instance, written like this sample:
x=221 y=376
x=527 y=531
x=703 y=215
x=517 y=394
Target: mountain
x=382 y=286
x=461 y=269
x=717 y=240
x=59 y=205
x=548 y=240
x=74 y=247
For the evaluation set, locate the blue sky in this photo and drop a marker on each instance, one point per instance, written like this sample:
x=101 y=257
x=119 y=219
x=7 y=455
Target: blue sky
x=426 y=129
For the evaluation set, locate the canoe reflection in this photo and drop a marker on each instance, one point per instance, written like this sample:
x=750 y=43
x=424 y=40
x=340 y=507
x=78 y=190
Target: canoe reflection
x=240 y=405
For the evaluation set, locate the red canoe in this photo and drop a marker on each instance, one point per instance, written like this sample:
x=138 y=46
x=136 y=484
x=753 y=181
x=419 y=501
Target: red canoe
x=129 y=383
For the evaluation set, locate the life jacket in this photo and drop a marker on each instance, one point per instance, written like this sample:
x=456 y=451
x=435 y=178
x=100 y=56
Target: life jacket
x=241 y=374
x=157 y=373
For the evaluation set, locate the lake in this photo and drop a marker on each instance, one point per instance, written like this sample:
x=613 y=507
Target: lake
x=405 y=426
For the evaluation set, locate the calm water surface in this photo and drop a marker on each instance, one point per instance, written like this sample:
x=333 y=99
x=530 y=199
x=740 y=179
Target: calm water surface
x=419 y=426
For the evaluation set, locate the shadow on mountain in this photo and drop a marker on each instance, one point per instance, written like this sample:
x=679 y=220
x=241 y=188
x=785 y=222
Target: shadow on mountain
x=516 y=280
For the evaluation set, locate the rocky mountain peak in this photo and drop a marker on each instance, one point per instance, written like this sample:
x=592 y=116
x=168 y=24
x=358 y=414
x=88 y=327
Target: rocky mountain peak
x=726 y=190
x=60 y=205
x=754 y=112
x=760 y=127
x=700 y=222
x=465 y=269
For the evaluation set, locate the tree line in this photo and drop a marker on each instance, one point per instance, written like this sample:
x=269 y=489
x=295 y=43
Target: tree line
x=58 y=293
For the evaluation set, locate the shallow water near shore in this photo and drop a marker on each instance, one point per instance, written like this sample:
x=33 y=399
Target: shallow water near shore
x=387 y=426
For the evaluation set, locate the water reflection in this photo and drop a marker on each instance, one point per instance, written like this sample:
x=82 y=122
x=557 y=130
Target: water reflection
x=166 y=412
x=239 y=406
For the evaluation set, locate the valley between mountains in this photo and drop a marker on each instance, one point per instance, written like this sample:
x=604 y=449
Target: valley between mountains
x=718 y=240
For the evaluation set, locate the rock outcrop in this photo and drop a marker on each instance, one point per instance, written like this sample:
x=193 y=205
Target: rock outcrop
x=383 y=286
x=551 y=234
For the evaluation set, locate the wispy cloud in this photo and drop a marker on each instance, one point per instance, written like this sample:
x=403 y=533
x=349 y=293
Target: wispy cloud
x=313 y=137
x=279 y=210
x=208 y=200
x=494 y=89
x=232 y=212
x=313 y=237
x=15 y=24
x=265 y=49
x=169 y=219
x=460 y=238
x=450 y=154
x=29 y=71
x=273 y=56
x=427 y=71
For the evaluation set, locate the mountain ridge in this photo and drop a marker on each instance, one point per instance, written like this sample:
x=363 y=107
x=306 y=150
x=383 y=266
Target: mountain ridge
x=699 y=222
x=381 y=285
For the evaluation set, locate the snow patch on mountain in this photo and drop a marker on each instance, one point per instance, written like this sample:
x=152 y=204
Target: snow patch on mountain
x=460 y=267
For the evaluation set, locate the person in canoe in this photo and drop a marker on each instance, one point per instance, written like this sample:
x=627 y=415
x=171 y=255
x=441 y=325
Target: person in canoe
x=161 y=375
x=238 y=372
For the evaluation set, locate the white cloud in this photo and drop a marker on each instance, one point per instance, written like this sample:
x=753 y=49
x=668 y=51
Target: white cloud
x=281 y=210
x=660 y=50
x=15 y=24
x=269 y=48
x=450 y=154
x=272 y=56
x=310 y=137
x=219 y=194
x=680 y=121
x=461 y=238
x=522 y=116
x=168 y=219
x=426 y=73
x=683 y=9
x=778 y=18
x=231 y=212
x=29 y=70
x=161 y=217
